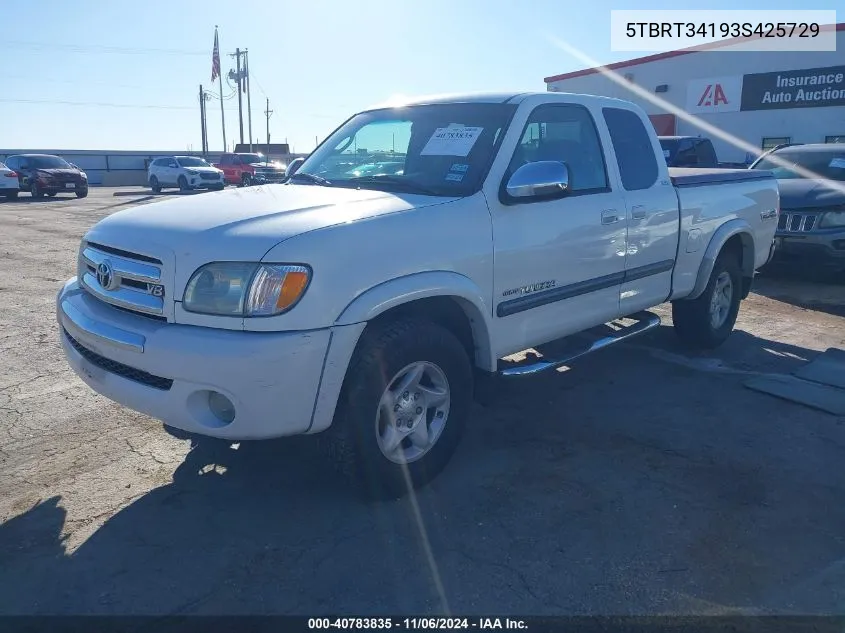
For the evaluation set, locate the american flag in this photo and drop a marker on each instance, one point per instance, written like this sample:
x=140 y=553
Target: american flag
x=215 y=59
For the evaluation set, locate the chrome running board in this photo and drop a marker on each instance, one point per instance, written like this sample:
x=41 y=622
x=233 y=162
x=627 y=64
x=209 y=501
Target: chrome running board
x=645 y=321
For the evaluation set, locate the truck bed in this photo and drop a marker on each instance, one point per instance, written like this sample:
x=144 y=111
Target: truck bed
x=695 y=176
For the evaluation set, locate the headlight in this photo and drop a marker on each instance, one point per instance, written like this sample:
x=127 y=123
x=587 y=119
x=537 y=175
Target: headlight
x=245 y=289
x=84 y=175
x=832 y=219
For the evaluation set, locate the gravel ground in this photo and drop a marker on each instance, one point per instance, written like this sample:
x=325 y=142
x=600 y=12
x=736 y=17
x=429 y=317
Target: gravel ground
x=643 y=480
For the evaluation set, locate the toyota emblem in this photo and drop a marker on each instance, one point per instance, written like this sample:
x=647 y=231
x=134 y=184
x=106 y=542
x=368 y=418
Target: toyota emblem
x=105 y=275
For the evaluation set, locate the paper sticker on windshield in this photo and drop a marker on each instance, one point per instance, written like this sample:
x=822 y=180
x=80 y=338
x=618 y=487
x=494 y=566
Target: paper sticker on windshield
x=666 y=153
x=838 y=162
x=454 y=177
x=455 y=140
x=459 y=168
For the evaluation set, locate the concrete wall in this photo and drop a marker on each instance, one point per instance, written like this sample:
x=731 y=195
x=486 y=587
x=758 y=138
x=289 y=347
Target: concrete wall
x=118 y=168
x=685 y=76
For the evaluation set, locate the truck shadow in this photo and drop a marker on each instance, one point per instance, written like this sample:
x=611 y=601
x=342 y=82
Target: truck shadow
x=580 y=477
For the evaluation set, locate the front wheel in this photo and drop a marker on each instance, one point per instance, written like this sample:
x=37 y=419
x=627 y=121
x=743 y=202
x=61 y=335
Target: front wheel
x=707 y=321
x=403 y=408
x=246 y=180
x=81 y=193
x=183 y=184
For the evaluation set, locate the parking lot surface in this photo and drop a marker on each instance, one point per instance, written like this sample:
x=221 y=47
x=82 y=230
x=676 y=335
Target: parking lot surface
x=644 y=479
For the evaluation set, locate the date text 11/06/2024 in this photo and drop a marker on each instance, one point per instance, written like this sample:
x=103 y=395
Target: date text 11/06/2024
x=411 y=624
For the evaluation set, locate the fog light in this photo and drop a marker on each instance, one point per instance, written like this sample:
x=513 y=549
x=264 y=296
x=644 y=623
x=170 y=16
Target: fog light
x=221 y=407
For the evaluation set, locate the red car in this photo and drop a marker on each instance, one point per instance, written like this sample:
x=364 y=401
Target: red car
x=249 y=169
x=45 y=175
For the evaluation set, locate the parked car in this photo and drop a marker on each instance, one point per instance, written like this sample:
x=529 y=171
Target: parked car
x=8 y=183
x=367 y=307
x=811 y=179
x=249 y=169
x=184 y=172
x=688 y=151
x=46 y=175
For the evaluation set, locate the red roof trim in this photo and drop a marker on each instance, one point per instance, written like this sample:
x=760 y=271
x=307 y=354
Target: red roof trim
x=667 y=55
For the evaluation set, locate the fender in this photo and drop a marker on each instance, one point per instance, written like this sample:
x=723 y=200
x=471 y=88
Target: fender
x=720 y=236
x=437 y=283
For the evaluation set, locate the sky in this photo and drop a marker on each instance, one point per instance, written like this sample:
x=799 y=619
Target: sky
x=113 y=74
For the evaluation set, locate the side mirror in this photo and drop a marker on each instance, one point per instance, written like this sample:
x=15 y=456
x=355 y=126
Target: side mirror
x=295 y=164
x=543 y=178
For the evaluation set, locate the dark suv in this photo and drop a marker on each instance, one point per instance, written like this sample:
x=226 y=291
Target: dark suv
x=811 y=179
x=45 y=175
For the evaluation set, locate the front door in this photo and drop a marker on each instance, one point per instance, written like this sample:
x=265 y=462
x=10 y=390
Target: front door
x=558 y=264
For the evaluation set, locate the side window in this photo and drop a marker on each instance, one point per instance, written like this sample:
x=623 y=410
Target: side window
x=632 y=145
x=706 y=154
x=172 y=162
x=236 y=160
x=226 y=159
x=12 y=163
x=564 y=133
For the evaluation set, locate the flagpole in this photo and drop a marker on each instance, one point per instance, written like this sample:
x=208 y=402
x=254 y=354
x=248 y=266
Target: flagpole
x=220 y=77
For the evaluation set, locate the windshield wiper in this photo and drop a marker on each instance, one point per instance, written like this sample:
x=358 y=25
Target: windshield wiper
x=317 y=180
x=400 y=181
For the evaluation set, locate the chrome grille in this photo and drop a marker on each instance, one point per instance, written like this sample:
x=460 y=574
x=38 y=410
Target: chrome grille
x=797 y=222
x=132 y=277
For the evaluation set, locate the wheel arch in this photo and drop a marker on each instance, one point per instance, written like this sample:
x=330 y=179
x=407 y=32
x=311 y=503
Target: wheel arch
x=735 y=235
x=447 y=298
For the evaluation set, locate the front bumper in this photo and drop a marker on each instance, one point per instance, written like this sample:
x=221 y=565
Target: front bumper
x=826 y=247
x=198 y=182
x=59 y=187
x=166 y=370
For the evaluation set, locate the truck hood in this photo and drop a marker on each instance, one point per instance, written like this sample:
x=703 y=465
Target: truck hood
x=240 y=224
x=803 y=193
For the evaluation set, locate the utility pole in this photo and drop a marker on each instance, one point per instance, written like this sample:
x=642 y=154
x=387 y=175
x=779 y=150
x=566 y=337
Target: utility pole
x=237 y=55
x=204 y=137
x=267 y=113
x=248 y=100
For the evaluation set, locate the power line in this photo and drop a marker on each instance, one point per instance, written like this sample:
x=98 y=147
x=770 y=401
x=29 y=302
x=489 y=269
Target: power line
x=99 y=49
x=137 y=106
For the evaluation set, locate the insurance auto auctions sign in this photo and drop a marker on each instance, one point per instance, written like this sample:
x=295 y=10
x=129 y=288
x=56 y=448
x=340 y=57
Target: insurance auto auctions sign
x=716 y=94
x=809 y=88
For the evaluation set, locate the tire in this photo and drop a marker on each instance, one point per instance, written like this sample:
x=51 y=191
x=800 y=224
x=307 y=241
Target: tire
x=183 y=184
x=707 y=321
x=155 y=185
x=246 y=180
x=11 y=195
x=360 y=437
x=219 y=187
x=35 y=190
x=82 y=194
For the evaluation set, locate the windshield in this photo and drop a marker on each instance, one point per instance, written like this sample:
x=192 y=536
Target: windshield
x=252 y=158
x=829 y=165
x=438 y=149
x=190 y=161
x=48 y=162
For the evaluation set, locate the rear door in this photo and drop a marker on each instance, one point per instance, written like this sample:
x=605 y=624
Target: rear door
x=652 y=211
x=226 y=165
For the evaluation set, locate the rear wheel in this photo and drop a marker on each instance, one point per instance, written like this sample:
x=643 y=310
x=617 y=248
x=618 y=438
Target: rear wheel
x=183 y=184
x=707 y=321
x=403 y=409
x=35 y=191
x=155 y=185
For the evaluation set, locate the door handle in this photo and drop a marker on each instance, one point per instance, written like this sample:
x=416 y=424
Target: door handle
x=610 y=216
x=638 y=212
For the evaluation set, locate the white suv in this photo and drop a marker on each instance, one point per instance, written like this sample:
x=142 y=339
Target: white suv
x=184 y=172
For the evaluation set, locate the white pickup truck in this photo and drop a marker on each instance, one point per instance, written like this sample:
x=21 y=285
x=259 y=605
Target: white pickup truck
x=367 y=306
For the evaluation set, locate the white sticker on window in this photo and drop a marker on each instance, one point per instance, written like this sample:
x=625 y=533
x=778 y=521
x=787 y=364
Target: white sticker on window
x=838 y=162
x=666 y=153
x=455 y=140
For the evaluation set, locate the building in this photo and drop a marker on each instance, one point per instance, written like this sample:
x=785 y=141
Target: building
x=764 y=98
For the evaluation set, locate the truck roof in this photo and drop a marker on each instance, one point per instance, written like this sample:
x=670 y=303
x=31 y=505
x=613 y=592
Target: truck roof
x=484 y=97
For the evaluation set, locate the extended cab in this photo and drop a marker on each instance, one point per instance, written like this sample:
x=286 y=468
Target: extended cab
x=249 y=169
x=366 y=307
